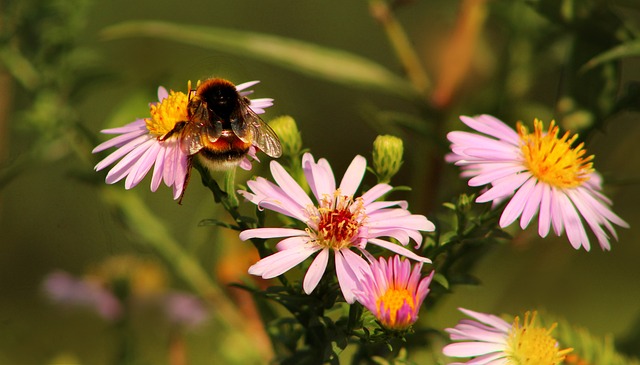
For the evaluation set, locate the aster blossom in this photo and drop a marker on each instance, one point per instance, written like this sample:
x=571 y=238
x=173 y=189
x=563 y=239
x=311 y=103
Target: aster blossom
x=490 y=340
x=337 y=222
x=542 y=173
x=141 y=144
x=394 y=292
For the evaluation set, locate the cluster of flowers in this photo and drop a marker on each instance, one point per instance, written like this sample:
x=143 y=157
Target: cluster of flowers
x=538 y=172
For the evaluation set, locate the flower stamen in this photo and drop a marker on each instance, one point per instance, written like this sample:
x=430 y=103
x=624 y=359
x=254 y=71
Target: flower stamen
x=551 y=159
x=531 y=345
x=391 y=302
x=167 y=113
x=338 y=220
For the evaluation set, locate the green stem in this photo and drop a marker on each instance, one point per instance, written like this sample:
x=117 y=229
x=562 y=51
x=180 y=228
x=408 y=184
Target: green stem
x=144 y=222
x=230 y=187
x=401 y=45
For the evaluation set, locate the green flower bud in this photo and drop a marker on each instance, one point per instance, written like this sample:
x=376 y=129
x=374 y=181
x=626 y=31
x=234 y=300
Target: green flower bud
x=387 y=157
x=287 y=130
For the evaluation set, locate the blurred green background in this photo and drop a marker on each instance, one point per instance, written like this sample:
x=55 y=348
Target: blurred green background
x=53 y=217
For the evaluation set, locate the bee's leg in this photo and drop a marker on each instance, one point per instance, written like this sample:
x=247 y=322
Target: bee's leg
x=187 y=177
x=176 y=129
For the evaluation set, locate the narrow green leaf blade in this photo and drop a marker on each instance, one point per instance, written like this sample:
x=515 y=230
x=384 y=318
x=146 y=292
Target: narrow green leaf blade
x=628 y=49
x=321 y=62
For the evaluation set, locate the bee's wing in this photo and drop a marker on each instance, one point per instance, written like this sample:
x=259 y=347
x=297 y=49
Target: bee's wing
x=249 y=127
x=199 y=132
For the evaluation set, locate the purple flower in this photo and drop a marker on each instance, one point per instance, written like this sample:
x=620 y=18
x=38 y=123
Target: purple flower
x=542 y=174
x=393 y=292
x=140 y=144
x=63 y=288
x=185 y=309
x=337 y=222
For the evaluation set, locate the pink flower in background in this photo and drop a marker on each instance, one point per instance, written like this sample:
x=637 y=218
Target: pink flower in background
x=140 y=145
x=490 y=340
x=185 y=309
x=65 y=289
x=394 y=292
x=541 y=173
x=338 y=223
x=179 y=308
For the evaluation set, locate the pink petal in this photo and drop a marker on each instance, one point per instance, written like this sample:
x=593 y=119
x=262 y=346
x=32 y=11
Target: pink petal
x=319 y=176
x=292 y=242
x=489 y=319
x=136 y=125
x=289 y=185
x=270 y=233
x=514 y=208
x=246 y=85
x=375 y=192
x=353 y=176
x=494 y=172
x=398 y=249
x=349 y=268
x=544 y=218
x=504 y=188
x=122 y=151
x=469 y=349
x=492 y=126
x=162 y=93
x=315 y=271
x=281 y=262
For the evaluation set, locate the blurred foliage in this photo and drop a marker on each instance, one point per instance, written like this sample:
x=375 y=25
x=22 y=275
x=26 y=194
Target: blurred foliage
x=587 y=348
x=40 y=48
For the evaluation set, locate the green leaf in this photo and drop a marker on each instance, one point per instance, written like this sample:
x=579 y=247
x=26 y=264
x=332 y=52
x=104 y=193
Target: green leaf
x=321 y=62
x=442 y=280
x=217 y=222
x=628 y=49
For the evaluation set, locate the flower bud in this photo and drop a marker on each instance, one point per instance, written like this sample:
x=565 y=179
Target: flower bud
x=290 y=138
x=387 y=157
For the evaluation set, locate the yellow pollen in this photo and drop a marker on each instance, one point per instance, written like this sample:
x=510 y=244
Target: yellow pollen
x=392 y=301
x=168 y=112
x=338 y=220
x=551 y=159
x=531 y=345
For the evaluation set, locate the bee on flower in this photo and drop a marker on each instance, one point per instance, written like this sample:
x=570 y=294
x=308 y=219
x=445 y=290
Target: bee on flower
x=217 y=123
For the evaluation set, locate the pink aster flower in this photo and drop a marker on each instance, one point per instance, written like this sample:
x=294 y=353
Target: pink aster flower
x=393 y=292
x=63 y=288
x=542 y=174
x=140 y=144
x=490 y=340
x=338 y=222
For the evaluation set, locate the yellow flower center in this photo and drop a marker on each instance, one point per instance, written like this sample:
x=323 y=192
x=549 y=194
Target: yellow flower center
x=338 y=220
x=168 y=112
x=551 y=159
x=391 y=301
x=531 y=345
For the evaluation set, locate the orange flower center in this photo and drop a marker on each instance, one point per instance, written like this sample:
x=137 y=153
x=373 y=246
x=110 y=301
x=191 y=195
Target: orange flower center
x=166 y=113
x=551 y=159
x=532 y=345
x=391 y=301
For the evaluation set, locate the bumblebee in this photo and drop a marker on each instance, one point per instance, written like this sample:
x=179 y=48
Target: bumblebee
x=222 y=127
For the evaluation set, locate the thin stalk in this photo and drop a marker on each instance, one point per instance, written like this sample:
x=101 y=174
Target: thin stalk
x=401 y=45
x=144 y=222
